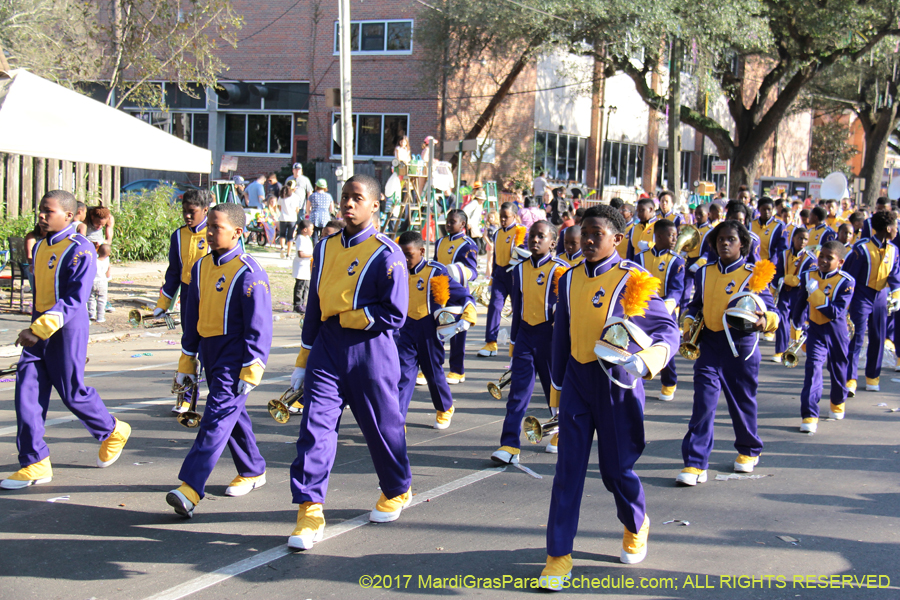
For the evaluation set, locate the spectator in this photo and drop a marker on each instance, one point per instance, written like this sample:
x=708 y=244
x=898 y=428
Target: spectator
x=301 y=266
x=255 y=194
x=530 y=214
x=304 y=186
x=401 y=151
x=540 y=183
x=240 y=185
x=319 y=208
x=273 y=188
x=100 y=288
x=98 y=218
x=288 y=207
x=474 y=210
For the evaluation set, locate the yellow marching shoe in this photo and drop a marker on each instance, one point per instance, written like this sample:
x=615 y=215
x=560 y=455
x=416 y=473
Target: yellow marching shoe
x=557 y=572
x=388 y=509
x=454 y=378
x=420 y=379
x=34 y=474
x=872 y=384
x=634 y=545
x=851 y=388
x=836 y=412
x=310 y=527
x=490 y=349
x=442 y=419
x=745 y=464
x=183 y=499
x=181 y=406
x=296 y=408
x=667 y=393
x=691 y=476
x=506 y=455
x=776 y=358
x=552 y=447
x=897 y=366
x=241 y=486
x=889 y=345
x=111 y=448
x=769 y=337
x=809 y=425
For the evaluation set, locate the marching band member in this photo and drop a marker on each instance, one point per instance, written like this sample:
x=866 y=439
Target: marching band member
x=456 y=248
x=827 y=293
x=819 y=231
x=507 y=242
x=187 y=245
x=600 y=397
x=666 y=208
x=792 y=263
x=873 y=265
x=533 y=295
x=54 y=347
x=770 y=231
x=641 y=236
x=729 y=357
x=704 y=224
x=735 y=211
x=431 y=291
x=845 y=235
x=572 y=244
x=627 y=211
x=359 y=294
x=882 y=204
x=832 y=218
x=666 y=266
x=227 y=318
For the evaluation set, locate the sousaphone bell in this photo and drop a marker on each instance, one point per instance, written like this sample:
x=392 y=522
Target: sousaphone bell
x=495 y=389
x=280 y=408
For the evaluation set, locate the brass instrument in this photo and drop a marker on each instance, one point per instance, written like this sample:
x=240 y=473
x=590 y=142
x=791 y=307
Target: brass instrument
x=191 y=418
x=790 y=358
x=851 y=329
x=11 y=370
x=481 y=291
x=280 y=409
x=691 y=349
x=688 y=240
x=495 y=389
x=535 y=431
x=136 y=319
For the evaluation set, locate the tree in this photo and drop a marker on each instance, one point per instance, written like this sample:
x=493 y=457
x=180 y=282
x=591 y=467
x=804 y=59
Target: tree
x=829 y=150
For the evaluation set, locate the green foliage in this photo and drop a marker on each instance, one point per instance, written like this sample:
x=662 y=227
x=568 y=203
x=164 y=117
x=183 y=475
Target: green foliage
x=15 y=227
x=830 y=150
x=144 y=225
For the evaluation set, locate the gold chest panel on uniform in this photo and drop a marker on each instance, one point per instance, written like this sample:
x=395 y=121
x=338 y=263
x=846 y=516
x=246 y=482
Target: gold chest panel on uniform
x=765 y=236
x=419 y=290
x=193 y=248
x=792 y=264
x=828 y=287
x=447 y=248
x=658 y=267
x=537 y=286
x=622 y=248
x=504 y=244
x=217 y=294
x=718 y=291
x=815 y=235
x=46 y=268
x=591 y=301
x=880 y=262
x=340 y=274
x=643 y=233
x=703 y=229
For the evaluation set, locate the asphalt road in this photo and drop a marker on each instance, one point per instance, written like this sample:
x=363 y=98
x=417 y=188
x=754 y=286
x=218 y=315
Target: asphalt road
x=108 y=533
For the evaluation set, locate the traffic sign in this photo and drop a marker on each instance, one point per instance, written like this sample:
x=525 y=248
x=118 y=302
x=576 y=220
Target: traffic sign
x=719 y=167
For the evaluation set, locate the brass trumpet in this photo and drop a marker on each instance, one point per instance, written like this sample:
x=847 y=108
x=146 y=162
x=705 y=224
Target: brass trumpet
x=690 y=349
x=535 y=431
x=191 y=418
x=496 y=390
x=790 y=358
x=136 y=319
x=280 y=409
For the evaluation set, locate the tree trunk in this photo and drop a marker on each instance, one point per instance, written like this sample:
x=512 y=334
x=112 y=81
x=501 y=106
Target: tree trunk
x=876 y=139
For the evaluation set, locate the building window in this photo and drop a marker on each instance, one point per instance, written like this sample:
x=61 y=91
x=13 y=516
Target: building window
x=263 y=95
x=662 y=172
x=377 y=37
x=192 y=127
x=623 y=164
x=257 y=133
x=562 y=156
x=375 y=135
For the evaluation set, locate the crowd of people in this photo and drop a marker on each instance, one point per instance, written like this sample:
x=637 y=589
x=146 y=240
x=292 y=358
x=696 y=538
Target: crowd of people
x=601 y=302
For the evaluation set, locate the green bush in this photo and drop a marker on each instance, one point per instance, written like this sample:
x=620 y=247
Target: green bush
x=144 y=225
x=16 y=227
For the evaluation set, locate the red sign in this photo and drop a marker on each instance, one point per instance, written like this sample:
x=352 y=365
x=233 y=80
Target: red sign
x=809 y=173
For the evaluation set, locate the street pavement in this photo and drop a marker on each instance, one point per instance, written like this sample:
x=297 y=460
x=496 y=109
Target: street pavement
x=108 y=533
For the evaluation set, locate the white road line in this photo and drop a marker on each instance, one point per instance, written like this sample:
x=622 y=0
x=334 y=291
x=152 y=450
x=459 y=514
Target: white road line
x=109 y=373
x=263 y=558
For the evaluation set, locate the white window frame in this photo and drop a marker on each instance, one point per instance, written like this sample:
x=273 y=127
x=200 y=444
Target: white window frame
x=384 y=157
x=384 y=52
x=247 y=113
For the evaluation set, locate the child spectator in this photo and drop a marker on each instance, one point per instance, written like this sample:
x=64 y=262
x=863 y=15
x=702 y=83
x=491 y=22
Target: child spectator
x=97 y=299
x=288 y=207
x=97 y=220
x=301 y=266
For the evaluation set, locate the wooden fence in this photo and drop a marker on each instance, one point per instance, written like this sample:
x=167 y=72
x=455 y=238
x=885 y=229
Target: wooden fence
x=24 y=180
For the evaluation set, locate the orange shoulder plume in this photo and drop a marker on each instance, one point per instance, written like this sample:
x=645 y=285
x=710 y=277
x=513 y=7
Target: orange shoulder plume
x=557 y=275
x=763 y=274
x=520 y=235
x=639 y=288
x=440 y=289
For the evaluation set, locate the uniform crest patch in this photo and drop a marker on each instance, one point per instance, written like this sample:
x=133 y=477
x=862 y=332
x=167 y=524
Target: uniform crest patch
x=220 y=283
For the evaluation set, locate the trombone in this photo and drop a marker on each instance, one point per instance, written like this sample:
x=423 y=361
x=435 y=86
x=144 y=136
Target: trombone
x=496 y=390
x=136 y=319
x=191 y=418
x=791 y=357
x=280 y=408
x=535 y=431
x=690 y=349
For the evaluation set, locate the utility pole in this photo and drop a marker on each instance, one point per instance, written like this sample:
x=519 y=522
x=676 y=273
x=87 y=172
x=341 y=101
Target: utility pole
x=674 y=174
x=346 y=92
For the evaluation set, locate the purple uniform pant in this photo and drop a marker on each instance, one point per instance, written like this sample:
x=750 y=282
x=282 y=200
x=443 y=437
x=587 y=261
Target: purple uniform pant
x=458 y=353
x=718 y=370
x=786 y=299
x=591 y=404
x=669 y=375
x=418 y=347
x=500 y=287
x=59 y=362
x=868 y=309
x=362 y=369
x=531 y=356
x=825 y=343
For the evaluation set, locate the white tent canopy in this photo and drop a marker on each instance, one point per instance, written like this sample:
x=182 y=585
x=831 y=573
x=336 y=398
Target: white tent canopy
x=43 y=119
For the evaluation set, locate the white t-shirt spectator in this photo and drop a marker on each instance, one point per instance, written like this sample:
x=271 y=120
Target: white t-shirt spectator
x=539 y=185
x=288 y=207
x=304 y=187
x=256 y=194
x=301 y=266
x=102 y=269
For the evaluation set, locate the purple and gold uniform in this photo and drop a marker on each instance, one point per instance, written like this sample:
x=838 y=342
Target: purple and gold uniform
x=771 y=236
x=622 y=248
x=459 y=250
x=418 y=341
x=668 y=268
x=358 y=297
x=718 y=369
x=640 y=238
x=227 y=318
x=64 y=267
x=789 y=267
x=501 y=282
x=671 y=216
x=531 y=334
x=708 y=254
x=827 y=339
x=186 y=246
x=875 y=268
x=572 y=261
x=591 y=403
x=693 y=258
x=821 y=234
